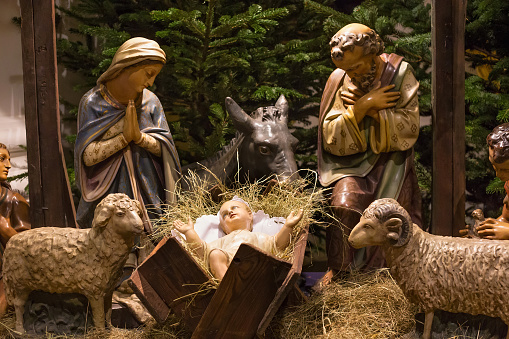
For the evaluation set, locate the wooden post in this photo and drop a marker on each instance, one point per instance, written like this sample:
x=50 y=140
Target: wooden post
x=448 y=79
x=50 y=196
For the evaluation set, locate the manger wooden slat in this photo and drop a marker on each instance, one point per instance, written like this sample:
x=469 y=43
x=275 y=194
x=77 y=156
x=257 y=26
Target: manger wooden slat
x=288 y=285
x=172 y=276
x=246 y=291
x=300 y=250
x=154 y=304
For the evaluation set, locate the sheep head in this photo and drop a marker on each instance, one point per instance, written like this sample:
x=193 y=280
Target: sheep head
x=124 y=211
x=383 y=222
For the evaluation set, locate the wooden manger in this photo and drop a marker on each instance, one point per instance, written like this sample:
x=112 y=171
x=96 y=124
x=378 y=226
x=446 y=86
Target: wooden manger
x=251 y=292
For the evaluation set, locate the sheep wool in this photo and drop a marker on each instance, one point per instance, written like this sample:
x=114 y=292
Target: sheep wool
x=437 y=272
x=453 y=274
x=68 y=260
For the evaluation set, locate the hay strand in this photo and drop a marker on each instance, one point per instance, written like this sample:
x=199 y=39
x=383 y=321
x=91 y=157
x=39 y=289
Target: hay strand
x=362 y=306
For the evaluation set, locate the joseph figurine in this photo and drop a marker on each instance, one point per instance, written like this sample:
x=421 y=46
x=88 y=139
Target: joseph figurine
x=369 y=122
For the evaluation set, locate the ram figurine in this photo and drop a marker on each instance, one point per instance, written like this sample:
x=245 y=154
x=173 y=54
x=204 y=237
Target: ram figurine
x=437 y=272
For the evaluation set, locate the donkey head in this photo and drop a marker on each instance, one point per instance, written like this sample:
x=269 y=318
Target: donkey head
x=268 y=146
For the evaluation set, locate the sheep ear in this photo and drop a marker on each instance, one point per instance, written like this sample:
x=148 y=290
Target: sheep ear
x=140 y=208
x=393 y=236
x=101 y=216
x=393 y=224
x=399 y=229
x=394 y=227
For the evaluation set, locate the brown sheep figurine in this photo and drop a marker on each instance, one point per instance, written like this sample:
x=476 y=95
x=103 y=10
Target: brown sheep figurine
x=69 y=260
x=436 y=272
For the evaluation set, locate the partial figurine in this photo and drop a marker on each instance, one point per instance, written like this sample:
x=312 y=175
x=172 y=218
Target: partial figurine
x=498 y=147
x=14 y=209
x=369 y=122
x=236 y=221
x=124 y=144
x=498 y=143
x=14 y=213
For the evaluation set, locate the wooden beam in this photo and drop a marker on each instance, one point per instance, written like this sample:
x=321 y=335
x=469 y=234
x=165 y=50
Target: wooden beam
x=448 y=101
x=50 y=195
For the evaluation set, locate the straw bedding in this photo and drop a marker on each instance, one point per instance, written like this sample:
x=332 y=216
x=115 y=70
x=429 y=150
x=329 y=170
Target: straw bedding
x=279 y=201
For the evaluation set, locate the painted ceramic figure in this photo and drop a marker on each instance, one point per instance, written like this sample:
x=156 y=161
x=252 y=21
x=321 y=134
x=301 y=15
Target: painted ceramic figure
x=498 y=144
x=263 y=146
x=124 y=144
x=369 y=122
x=435 y=272
x=69 y=260
x=14 y=213
x=236 y=221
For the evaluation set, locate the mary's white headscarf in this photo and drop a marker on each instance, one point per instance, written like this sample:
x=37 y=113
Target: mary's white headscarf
x=131 y=52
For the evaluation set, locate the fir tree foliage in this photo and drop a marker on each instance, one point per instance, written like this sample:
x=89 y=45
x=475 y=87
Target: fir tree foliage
x=211 y=57
x=252 y=52
x=486 y=95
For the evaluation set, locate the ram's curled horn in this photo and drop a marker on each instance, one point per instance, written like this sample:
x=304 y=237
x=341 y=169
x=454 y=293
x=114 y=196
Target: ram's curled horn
x=399 y=228
x=242 y=121
x=282 y=106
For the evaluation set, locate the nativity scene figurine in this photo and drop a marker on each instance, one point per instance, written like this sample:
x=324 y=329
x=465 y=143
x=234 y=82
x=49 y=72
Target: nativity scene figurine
x=236 y=221
x=435 y=272
x=14 y=214
x=369 y=122
x=124 y=144
x=69 y=260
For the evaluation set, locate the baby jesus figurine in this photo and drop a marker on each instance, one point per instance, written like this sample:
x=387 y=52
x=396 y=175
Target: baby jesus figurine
x=236 y=221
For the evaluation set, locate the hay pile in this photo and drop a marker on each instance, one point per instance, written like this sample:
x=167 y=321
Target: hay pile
x=279 y=201
x=361 y=306
x=171 y=329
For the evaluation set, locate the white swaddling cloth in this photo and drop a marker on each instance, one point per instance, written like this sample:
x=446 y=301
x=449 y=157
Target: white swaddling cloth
x=207 y=226
x=208 y=229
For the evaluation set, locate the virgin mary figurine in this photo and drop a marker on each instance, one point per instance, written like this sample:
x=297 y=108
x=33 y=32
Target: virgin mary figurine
x=124 y=144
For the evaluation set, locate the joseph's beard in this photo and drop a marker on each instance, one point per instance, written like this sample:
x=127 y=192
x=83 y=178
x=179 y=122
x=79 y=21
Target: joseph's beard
x=364 y=82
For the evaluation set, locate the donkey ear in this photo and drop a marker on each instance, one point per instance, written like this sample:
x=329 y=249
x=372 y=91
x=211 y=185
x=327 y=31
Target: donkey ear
x=282 y=106
x=241 y=120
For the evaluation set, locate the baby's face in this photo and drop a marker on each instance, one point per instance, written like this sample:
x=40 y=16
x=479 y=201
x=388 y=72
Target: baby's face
x=235 y=215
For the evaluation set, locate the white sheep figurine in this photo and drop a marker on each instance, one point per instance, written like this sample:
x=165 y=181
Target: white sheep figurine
x=69 y=260
x=437 y=272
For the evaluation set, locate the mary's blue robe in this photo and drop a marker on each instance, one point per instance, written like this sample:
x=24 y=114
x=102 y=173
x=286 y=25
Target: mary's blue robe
x=132 y=170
